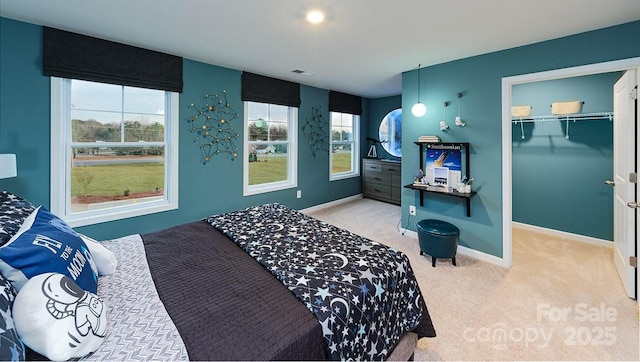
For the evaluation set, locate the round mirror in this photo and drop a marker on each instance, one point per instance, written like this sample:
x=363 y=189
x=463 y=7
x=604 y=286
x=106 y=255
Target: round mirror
x=390 y=134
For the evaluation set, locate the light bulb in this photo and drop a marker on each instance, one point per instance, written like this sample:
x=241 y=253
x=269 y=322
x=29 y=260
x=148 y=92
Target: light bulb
x=418 y=109
x=315 y=17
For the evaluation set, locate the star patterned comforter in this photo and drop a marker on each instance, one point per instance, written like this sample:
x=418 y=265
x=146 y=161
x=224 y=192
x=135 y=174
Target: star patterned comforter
x=364 y=294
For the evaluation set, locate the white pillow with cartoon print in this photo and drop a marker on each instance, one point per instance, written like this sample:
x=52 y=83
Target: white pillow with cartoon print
x=58 y=319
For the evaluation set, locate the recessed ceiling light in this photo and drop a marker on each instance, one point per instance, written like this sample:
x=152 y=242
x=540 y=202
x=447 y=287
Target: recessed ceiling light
x=315 y=16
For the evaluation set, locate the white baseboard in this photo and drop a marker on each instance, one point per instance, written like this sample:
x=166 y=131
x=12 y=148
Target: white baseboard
x=472 y=253
x=478 y=255
x=563 y=234
x=331 y=203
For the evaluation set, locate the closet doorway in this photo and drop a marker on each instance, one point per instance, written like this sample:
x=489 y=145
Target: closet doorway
x=507 y=137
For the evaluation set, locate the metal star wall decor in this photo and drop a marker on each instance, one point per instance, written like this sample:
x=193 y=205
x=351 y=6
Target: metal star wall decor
x=316 y=131
x=212 y=126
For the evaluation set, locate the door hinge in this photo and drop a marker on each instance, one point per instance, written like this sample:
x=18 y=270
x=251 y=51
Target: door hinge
x=633 y=261
x=633 y=177
x=634 y=93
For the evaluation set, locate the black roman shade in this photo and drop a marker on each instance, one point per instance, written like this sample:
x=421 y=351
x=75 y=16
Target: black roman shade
x=258 y=88
x=76 y=56
x=345 y=103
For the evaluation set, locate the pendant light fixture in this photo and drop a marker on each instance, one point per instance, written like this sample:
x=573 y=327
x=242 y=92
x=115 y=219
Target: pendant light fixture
x=418 y=109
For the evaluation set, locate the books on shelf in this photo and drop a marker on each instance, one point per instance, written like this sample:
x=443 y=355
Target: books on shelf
x=428 y=139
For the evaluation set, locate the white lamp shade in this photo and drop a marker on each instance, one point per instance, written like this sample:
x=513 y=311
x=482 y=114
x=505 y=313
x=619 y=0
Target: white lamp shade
x=8 y=166
x=418 y=109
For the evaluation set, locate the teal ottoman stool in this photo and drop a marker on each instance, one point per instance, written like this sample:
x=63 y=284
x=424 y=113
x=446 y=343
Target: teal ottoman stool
x=439 y=239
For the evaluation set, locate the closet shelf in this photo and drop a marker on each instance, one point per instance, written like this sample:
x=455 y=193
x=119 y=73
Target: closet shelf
x=565 y=117
x=562 y=117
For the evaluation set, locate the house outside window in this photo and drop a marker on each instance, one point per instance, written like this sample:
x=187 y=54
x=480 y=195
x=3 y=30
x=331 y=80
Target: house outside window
x=344 y=146
x=113 y=151
x=270 y=161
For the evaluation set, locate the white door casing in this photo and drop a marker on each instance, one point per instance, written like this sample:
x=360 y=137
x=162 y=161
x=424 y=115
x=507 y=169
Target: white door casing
x=507 y=83
x=624 y=164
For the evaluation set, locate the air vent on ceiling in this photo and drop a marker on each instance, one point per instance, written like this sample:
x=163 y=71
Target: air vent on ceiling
x=301 y=72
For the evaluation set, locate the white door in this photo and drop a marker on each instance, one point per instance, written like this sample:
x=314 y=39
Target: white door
x=624 y=159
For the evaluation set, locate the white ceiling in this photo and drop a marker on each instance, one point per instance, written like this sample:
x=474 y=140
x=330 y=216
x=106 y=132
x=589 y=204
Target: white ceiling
x=362 y=47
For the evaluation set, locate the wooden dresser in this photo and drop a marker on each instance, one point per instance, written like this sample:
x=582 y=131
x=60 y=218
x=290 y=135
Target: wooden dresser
x=381 y=180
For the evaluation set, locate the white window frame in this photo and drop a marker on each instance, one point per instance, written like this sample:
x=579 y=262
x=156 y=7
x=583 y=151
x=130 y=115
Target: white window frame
x=355 y=149
x=61 y=164
x=292 y=156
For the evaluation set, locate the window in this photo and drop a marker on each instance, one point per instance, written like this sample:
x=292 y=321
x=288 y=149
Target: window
x=113 y=151
x=344 y=160
x=270 y=161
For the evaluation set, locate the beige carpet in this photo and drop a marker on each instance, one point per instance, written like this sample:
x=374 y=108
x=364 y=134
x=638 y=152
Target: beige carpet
x=561 y=300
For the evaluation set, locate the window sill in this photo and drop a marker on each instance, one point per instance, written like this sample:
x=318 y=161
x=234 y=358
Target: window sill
x=118 y=213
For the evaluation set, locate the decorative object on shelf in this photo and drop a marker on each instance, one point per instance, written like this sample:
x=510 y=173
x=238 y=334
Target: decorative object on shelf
x=315 y=131
x=373 y=151
x=390 y=132
x=464 y=187
x=429 y=139
x=520 y=111
x=458 y=120
x=212 y=126
x=443 y=125
x=418 y=177
x=566 y=108
x=8 y=166
x=419 y=109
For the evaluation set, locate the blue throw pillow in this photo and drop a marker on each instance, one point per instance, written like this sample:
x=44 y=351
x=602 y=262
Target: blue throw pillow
x=46 y=244
x=11 y=348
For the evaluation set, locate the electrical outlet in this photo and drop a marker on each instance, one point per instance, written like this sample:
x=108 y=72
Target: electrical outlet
x=412 y=210
x=299 y=194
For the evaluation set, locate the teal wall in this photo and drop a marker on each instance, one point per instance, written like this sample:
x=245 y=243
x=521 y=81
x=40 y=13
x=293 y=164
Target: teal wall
x=547 y=167
x=378 y=108
x=25 y=124
x=480 y=79
x=204 y=189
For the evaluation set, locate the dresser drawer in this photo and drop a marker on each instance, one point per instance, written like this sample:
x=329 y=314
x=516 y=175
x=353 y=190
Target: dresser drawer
x=379 y=190
x=391 y=168
x=396 y=181
x=372 y=167
x=396 y=194
x=377 y=177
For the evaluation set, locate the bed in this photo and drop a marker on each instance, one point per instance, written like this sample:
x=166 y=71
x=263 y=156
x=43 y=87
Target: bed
x=263 y=283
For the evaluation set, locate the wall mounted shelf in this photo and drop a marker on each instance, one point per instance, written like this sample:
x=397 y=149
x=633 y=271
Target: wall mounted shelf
x=422 y=189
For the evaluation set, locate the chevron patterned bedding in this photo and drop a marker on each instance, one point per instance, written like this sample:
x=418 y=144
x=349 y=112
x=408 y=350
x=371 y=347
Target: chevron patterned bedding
x=139 y=327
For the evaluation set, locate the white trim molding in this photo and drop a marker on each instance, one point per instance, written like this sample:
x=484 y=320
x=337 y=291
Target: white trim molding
x=331 y=204
x=507 y=84
x=564 y=235
x=472 y=253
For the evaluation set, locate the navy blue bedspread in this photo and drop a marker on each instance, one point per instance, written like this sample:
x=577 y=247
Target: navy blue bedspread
x=363 y=293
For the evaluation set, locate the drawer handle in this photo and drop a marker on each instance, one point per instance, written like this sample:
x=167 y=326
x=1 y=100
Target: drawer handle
x=378 y=178
x=392 y=169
